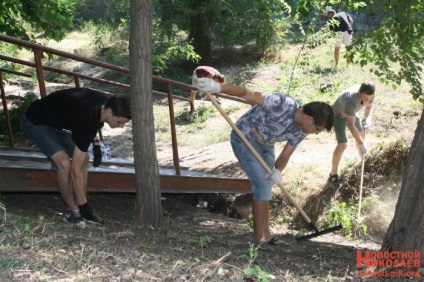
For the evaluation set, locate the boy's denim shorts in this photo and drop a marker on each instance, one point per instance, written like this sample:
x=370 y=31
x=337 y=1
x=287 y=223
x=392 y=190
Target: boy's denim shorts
x=48 y=139
x=259 y=178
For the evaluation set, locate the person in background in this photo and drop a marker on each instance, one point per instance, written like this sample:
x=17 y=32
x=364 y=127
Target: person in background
x=203 y=71
x=62 y=125
x=341 y=23
x=273 y=118
x=346 y=107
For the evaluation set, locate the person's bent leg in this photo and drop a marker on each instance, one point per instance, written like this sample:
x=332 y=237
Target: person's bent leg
x=81 y=194
x=79 y=185
x=362 y=134
x=337 y=156
x=84 y=172
x=347 y=55
x=341 y=137
x=260 y=211
x=347 y=41
x=62 y=164
x=358 y=125
x=78 y=175
x=336 y=55
x=50 y=141
x=260 y=182
x=194 y=82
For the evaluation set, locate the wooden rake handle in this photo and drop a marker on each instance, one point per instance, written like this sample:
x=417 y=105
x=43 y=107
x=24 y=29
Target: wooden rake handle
x=360 y=188
x=257 y=156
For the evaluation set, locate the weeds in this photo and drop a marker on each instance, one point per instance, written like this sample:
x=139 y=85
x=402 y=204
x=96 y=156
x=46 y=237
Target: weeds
x=201 y=115
x=7 y=264
x=168 y=223
x=345 y=214
x=250 y=222
x=217 y=137
x=3 y=210
x=205 y=241
x=255 y=271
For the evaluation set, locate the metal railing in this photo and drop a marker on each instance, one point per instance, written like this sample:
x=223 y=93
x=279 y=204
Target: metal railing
x=4 y=102
x=38 y=50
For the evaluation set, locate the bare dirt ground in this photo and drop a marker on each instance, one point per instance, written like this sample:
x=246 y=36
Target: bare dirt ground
x=193 y=243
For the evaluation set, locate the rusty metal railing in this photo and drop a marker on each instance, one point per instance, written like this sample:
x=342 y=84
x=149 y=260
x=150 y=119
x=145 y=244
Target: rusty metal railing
x=4 y=102
x=38 y=50
x=38 y=65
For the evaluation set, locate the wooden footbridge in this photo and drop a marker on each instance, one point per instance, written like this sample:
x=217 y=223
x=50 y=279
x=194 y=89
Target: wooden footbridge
x=23 y=169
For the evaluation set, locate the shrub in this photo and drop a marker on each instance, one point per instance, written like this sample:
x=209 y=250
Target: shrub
x=16 y=114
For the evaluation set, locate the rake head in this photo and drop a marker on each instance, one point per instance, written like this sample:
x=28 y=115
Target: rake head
x=319 y=233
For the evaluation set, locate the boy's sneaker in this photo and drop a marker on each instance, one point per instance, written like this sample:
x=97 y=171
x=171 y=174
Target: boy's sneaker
x=72 y=216
x=334 y=179
x=88 y=214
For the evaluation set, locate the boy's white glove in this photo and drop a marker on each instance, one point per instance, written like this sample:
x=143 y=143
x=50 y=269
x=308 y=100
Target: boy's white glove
x=208 y=85
x=362 y=150
x=368 y=122
x=276 y=176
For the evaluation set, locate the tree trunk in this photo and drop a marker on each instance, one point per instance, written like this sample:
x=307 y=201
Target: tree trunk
x=199 y=24
x=406 y=230
x=148 y=205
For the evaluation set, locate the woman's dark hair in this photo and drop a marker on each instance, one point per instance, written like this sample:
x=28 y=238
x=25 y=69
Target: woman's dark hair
x=321 y=112
x=120 y=105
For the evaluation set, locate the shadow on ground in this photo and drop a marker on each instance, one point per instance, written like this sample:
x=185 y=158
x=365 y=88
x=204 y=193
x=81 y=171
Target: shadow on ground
x=191 y=245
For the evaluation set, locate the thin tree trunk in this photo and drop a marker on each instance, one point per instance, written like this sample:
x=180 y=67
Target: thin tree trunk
x=406 y=230
x=148 y=205
x=199 y=25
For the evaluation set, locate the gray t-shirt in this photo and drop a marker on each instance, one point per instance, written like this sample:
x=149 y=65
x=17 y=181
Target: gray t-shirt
x=348 y=103
x=272 y=122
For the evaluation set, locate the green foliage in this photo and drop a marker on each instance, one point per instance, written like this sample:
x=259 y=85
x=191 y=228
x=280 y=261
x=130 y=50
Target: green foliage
x=225 y=23
x=345 y=214
x=250 y=222
x=111 y=12
x=3 y=210
x=169 y=54
x=19 y=18
x=169 y=57
x=7 y=264
x=396 y=47
x=254 y=271
x=262 y=22
x=10 y=50
x=27 y=228
x=258 y=273
x=16 y=114
x=4 y=229
x=218 y=137
x=205 y=241
x=200 y=116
